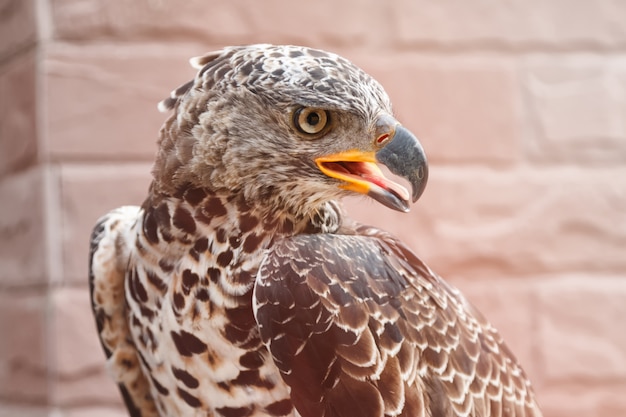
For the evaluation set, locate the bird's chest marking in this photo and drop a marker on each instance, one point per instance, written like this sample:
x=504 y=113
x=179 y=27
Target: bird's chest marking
x=190 y=293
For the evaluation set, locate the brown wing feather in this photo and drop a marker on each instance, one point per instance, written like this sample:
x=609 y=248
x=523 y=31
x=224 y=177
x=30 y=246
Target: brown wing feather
x=107 y=264
x=358 y=325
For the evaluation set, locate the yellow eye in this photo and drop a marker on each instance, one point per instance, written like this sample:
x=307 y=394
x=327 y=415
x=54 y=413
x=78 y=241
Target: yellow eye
x=311 y=121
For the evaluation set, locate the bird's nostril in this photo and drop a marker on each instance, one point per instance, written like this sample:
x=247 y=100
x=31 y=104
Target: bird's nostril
x=382 y=138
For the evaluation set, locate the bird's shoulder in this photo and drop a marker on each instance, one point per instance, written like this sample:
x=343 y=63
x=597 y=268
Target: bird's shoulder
x=110 y=242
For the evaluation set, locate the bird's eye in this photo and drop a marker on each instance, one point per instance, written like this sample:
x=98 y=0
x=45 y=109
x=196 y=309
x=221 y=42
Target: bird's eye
x=311 y=121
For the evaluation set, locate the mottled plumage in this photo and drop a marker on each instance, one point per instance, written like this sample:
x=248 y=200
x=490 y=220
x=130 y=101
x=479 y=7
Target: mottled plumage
x=240 y=289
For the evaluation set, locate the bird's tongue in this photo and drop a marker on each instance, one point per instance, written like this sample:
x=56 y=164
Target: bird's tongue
x=370 y=172
x=388 y=185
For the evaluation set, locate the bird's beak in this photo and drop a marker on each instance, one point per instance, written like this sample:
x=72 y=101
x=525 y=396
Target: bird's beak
x=358 y=171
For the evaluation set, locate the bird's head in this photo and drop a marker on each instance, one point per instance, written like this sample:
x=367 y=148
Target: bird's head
x=286 y=126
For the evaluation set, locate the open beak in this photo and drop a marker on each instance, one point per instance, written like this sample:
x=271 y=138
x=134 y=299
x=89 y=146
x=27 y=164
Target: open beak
x=403 y=155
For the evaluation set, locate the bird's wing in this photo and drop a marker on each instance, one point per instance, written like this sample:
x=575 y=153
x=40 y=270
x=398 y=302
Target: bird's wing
x=108 y=260
x=359 y=326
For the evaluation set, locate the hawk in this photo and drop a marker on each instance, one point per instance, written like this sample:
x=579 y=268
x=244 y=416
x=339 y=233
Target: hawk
x=239 y=288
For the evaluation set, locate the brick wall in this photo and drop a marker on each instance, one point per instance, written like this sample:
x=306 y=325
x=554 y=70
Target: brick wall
x=521 y=106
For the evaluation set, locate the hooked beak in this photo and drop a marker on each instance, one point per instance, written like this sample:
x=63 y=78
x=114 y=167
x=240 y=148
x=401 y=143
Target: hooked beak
x=403 y=155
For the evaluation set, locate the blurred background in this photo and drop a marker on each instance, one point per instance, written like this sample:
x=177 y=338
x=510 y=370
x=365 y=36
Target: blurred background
x=520 y=105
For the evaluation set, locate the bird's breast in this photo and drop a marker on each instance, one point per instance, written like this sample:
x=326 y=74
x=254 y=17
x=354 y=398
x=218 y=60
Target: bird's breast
x=189 y=296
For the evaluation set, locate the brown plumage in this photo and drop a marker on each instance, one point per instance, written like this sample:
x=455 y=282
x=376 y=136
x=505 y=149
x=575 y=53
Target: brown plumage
x=240 y=289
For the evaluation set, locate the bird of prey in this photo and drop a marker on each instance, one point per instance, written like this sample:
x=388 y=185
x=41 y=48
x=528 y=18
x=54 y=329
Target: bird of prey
x=239 y=288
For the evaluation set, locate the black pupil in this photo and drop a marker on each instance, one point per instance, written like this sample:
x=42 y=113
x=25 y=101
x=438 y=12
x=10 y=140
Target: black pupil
x=313 y=119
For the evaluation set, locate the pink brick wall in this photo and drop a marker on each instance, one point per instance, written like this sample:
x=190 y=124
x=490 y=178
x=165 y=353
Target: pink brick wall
x=521 y=106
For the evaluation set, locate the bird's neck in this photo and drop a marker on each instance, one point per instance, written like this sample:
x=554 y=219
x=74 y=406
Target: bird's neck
x=202 y=230
x=191 y=213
